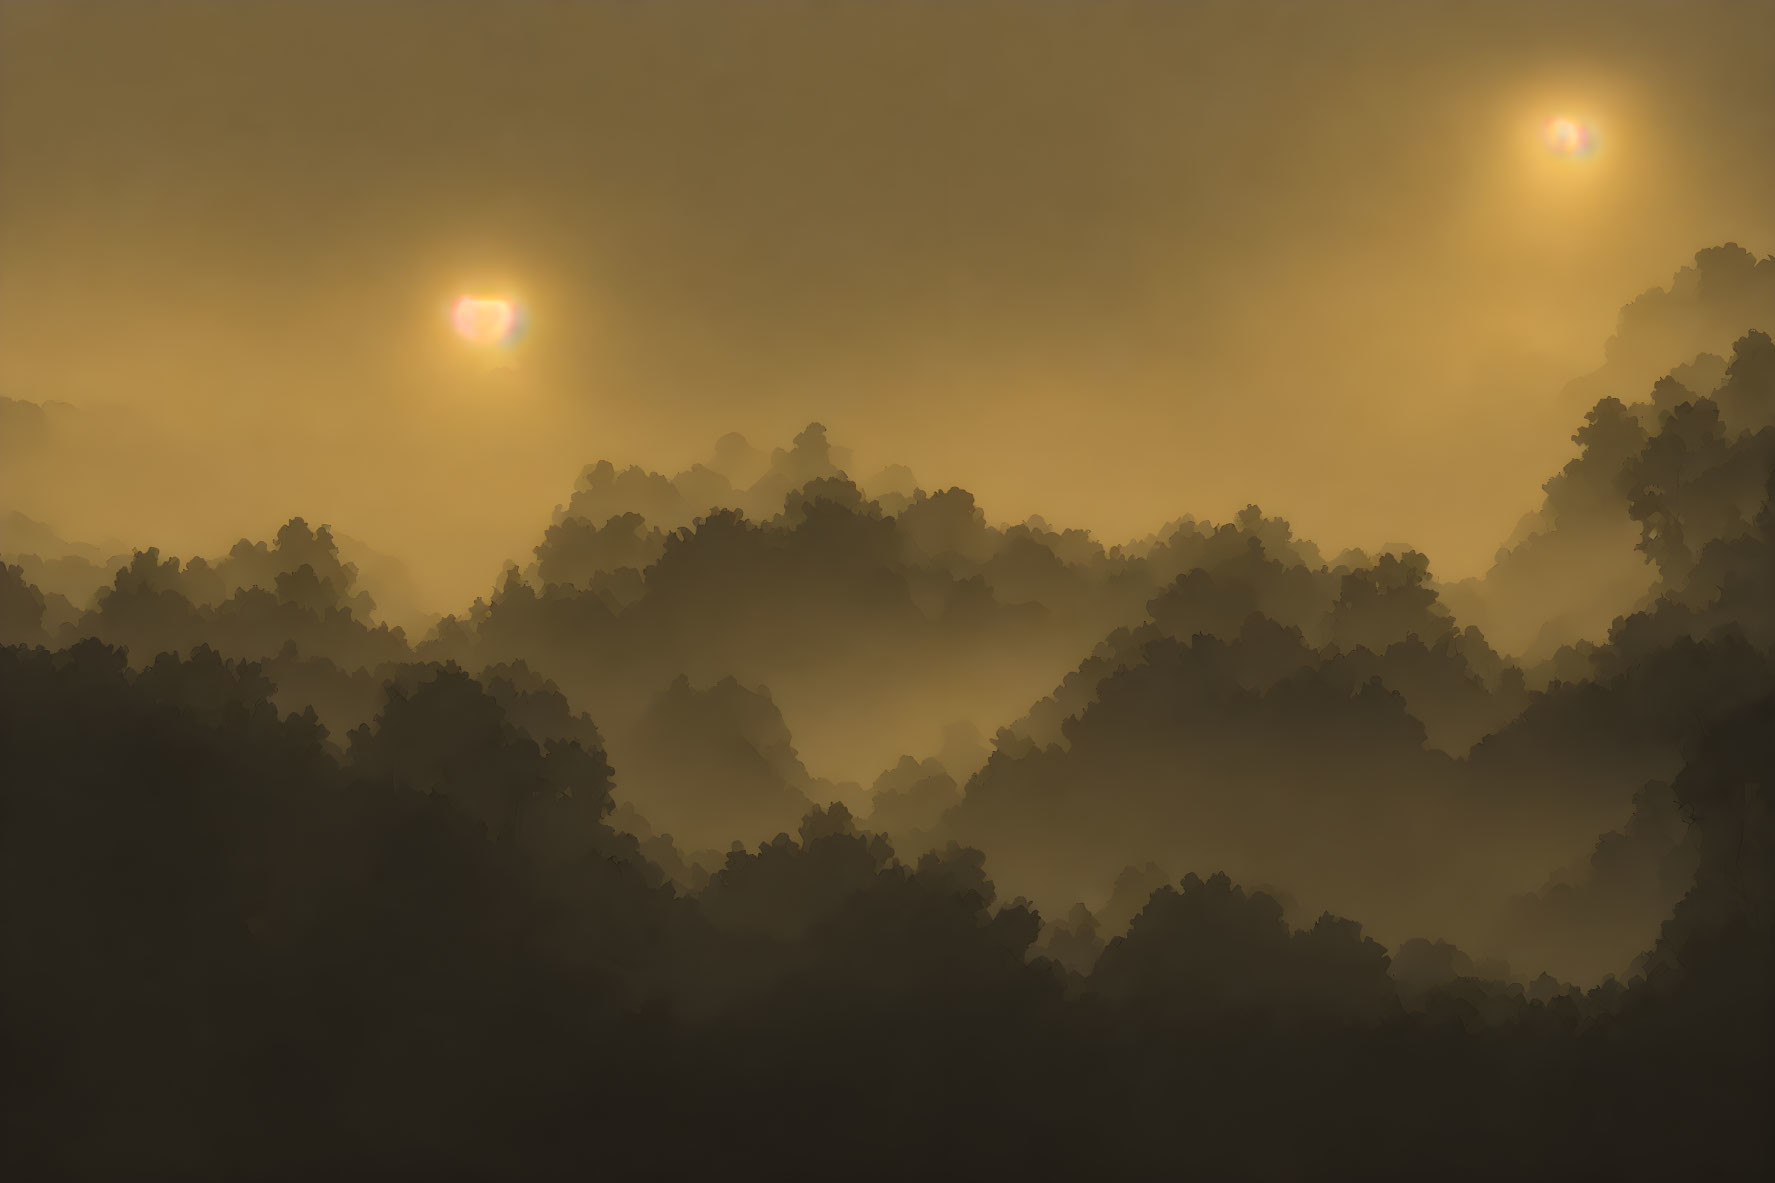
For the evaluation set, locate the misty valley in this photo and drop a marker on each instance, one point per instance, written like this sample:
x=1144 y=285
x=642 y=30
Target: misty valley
x=777 y=817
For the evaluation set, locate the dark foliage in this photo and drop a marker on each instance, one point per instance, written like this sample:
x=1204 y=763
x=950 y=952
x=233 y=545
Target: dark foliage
x=1477 y=882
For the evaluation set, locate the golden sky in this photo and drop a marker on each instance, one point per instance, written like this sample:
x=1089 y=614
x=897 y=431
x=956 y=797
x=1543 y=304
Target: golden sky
x=1109 y=262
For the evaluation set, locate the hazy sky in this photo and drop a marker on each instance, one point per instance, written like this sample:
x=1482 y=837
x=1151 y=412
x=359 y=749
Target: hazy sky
x=1107 y=262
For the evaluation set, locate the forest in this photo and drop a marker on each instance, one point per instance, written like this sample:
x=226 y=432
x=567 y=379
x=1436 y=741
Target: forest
x=775 y=816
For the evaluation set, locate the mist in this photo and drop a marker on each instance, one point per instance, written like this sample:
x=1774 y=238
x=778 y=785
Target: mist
x=1105 y=591
x=1059 y=257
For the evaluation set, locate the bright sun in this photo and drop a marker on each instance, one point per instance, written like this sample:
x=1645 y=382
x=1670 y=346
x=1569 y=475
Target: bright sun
x=1568 y=137
x=484 y=320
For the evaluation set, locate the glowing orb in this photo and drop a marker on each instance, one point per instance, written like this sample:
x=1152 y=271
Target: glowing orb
x=485 y=321
x=1568 y=137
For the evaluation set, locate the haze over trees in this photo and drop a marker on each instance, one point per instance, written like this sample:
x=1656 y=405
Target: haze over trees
x=763 y=818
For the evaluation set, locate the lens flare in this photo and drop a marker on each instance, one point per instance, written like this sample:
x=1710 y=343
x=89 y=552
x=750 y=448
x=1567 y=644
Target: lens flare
x=1568 y=137
x=484 y=320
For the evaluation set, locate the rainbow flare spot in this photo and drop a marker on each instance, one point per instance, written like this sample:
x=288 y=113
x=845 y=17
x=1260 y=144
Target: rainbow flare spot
x=485 y=320
x=1568 y=137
